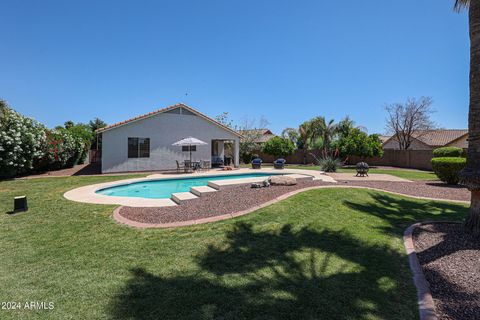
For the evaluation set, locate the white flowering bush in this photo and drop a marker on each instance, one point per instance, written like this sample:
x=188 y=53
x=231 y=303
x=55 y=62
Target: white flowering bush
x=64 y=149
x=22 y=143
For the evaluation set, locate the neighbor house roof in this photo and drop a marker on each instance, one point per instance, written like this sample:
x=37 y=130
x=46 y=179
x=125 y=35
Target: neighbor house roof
x=436 y=138
x=154 y=113
x=263 y=134
x=384 y=139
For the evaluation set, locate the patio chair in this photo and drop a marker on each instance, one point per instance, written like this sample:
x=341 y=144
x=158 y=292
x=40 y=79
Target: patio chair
x=279 y=163
x=257 y=163
x=204 y=165
x=180 y=167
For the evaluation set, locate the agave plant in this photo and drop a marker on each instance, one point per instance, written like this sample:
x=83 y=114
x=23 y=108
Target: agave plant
x=328 y=163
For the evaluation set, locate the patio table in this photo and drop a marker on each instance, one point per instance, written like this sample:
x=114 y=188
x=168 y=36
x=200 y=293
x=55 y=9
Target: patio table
x=191 y=165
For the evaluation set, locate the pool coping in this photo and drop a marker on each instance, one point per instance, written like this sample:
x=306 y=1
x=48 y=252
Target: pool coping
x=87 y=194
x=143 y=225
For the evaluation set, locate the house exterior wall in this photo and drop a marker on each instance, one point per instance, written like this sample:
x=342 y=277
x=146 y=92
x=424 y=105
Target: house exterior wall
x=163 y=130
x=460 y=143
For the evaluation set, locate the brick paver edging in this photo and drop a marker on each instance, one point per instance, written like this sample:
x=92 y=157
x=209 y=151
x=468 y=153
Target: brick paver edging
x=142 y=225
x=426 y=305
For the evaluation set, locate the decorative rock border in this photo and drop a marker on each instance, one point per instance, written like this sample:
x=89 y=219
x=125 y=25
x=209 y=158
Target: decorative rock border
x=142 y=225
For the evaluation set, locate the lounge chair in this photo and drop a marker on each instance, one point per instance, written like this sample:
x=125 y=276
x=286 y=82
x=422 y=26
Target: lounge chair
x=279 y=163
x=257 y=163
x=217 y=161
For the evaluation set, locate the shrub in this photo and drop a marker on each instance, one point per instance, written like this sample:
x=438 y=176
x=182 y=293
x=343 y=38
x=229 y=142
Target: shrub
x=279 y=147
x=328 y=163
x=447 y=152
x=83 y=135
x=64 y=149
x=22 y=143
x=448 y=168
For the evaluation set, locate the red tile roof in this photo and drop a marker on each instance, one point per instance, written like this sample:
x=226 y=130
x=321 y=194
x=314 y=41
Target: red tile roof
x=437 y=138
x=153 y=113
x=441 y=137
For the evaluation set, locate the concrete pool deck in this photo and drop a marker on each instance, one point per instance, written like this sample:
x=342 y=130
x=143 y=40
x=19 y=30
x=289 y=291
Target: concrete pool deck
x=87 y=194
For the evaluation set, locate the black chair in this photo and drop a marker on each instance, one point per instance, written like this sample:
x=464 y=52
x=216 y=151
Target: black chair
x=279 y=163
x=257 y=163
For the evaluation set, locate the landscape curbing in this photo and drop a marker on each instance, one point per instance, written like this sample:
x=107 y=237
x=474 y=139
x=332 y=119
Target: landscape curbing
x=426 y=305
x=142 y=225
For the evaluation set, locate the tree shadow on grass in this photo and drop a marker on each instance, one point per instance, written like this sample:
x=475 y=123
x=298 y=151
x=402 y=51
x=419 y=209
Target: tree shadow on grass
x=285 y=274
x=400 y=213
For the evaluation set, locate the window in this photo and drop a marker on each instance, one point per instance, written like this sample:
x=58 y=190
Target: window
x=139 y=147
x=189 y=148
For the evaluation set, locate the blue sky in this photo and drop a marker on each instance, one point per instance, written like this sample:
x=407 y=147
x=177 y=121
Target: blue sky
x=286 y=60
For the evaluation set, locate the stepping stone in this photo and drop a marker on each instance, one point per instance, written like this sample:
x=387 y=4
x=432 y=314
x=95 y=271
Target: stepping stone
x=182 y=196
x=300 y=177
x=199 y=191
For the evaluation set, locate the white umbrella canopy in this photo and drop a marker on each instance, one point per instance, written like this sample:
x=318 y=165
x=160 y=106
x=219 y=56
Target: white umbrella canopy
x=190 y=141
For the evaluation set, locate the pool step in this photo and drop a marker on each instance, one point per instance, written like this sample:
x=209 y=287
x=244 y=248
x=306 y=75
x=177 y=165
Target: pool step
x=199 y=191
x=182 y=196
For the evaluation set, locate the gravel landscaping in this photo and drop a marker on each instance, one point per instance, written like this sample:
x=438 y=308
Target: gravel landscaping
x=238 y=198
x=429 y=189
x=228 y=200
x=451 y=263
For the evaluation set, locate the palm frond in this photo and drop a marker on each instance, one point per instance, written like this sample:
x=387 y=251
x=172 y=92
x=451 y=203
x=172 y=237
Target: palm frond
x=461 y=4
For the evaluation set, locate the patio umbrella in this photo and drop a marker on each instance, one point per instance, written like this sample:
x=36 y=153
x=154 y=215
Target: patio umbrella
x=190 y=141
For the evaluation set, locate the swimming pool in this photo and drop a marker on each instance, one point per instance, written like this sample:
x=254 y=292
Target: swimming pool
x=158 y=189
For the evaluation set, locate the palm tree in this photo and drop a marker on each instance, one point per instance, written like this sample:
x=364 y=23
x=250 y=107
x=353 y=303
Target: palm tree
x=470 y=176
x=321 y=129
x=291 y=134
x=304 y=138
x=345 y=126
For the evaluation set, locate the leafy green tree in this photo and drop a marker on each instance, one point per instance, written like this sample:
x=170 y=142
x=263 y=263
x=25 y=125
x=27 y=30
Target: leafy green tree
x=68 y=124
x=94 y=125
x=358 y=143
x=279 y=147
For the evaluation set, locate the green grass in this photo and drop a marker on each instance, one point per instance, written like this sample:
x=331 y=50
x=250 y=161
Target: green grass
x=322 y=254
x=409 y=174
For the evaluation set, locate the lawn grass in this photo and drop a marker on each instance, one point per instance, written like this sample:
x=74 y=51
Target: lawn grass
x=409 y=174
x=322 y=254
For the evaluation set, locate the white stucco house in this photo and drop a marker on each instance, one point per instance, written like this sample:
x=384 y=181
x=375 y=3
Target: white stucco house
x=144 y=143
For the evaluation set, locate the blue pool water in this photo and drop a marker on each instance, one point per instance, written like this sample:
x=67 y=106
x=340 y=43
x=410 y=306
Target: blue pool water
x=158 y=189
